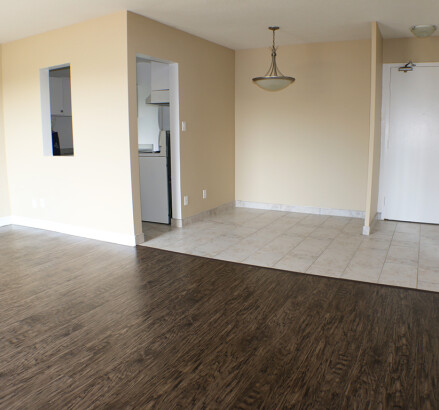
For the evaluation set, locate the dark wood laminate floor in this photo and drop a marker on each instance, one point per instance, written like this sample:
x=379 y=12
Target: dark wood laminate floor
x=85 y=324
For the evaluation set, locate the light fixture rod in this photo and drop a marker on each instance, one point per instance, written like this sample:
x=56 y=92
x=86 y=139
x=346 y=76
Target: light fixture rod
x=273 y=71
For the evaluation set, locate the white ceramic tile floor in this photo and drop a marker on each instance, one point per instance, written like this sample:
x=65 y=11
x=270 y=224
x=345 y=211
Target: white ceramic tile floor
x=396 y=253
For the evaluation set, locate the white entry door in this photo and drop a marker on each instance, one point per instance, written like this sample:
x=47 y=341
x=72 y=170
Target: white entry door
x=411 y=151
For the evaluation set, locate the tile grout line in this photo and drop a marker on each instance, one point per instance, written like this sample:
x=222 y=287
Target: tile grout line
x=253 y=233
x=308 y=237
x=292 y=248
x=304 y=238
x=353 y=256
x=329 y=244
x=387 y=253
x=321 y=253
x=277 y=236
x=207 y=219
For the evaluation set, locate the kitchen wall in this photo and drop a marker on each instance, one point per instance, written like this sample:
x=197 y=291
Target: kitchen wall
x=206 y=91
x=306 y=145
x=375 y=124
x=419 y=50
x=88 y=194
x=4 y=188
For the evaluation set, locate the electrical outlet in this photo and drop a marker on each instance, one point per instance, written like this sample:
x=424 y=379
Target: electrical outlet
x=183 y=126
x=185 y=200
x=204 y=193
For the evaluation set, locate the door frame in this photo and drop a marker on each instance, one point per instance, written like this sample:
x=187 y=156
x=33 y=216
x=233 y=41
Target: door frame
x=174 y=112
x=385 y=129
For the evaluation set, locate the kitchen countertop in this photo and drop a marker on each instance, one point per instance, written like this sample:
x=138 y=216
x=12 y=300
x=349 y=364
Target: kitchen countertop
x=152 y=154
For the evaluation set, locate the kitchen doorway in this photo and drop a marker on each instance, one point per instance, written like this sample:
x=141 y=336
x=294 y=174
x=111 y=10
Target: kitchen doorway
x=409 y=178
x=158 y=139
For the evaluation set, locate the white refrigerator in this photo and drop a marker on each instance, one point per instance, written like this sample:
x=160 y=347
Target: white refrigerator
x=154 y=188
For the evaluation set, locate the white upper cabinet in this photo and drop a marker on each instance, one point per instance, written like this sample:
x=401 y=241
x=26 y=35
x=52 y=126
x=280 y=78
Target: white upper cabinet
x=159 y=76
x=159 y=97
x=60 y=96
x=56 y=96
x=152 y=83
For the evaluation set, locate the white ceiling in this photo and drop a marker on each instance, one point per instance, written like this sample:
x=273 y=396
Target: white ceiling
x=233 y=23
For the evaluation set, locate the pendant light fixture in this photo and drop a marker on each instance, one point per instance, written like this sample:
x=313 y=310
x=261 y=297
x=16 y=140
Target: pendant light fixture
x=274 y=80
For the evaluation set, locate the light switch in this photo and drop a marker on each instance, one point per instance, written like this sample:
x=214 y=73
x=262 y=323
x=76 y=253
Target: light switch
x=183 y=126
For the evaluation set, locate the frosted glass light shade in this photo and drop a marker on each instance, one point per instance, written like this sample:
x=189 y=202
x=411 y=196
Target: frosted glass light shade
x=423 y=30
x=273 y=83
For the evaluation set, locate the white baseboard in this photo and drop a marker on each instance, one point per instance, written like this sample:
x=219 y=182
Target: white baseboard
x=140 y=238
x=100 y=235
x=179 y=223
x=5 y=220
x=368 y=229
x=301 y=209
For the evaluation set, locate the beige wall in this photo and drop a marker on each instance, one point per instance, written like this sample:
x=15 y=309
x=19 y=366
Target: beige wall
x=4 y=189
x=91 y=190
x=206 y=91
x=375 y=123
x=419 y=50
x=306 y=145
